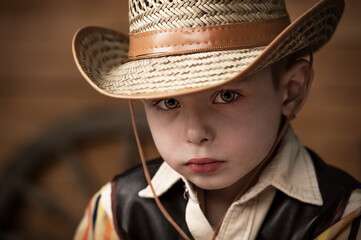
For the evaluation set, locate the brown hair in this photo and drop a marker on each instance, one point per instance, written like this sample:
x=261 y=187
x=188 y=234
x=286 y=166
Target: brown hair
x=277 y=68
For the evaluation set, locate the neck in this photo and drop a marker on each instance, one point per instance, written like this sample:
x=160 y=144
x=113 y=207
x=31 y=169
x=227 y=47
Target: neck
x=215 y=203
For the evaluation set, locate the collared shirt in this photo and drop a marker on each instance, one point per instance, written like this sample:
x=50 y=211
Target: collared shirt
x=291 y=171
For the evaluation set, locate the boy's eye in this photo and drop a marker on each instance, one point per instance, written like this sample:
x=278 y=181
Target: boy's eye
x=168 y=104
x=225 y=96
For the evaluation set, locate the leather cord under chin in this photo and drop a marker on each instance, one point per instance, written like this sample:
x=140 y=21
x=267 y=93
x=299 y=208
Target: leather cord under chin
x=147 y=176
x=252 y=179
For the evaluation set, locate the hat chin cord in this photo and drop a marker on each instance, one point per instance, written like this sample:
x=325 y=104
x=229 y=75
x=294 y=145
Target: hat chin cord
x=147 y=175
x=251 y=180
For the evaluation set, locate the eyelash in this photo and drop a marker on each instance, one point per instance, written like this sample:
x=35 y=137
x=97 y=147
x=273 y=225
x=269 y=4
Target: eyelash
x=156 y=103
x=236 y=97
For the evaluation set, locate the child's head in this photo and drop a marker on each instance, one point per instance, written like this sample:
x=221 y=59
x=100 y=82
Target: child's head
x=216 y=77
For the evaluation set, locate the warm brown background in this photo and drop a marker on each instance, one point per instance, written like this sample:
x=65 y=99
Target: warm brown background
x=40 y=85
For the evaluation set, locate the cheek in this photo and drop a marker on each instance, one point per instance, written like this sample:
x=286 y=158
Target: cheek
x=163 y=142
x=252 y=136
x=163 y=136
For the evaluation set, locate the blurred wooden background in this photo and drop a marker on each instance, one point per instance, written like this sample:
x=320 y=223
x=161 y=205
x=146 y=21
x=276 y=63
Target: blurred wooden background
x=40 y=85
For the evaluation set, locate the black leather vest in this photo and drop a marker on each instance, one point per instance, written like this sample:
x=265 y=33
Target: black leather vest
x=288 y=218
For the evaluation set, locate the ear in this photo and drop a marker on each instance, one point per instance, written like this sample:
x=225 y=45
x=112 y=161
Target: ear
x=296 y=84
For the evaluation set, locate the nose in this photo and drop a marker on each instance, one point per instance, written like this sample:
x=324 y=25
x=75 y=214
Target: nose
x=198 y=129
x=197 y=136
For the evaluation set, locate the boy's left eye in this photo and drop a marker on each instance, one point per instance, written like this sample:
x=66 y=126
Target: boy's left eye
x=225 y=96
x=168 y=104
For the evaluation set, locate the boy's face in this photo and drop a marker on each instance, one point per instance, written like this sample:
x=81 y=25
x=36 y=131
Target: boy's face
x=215 y=137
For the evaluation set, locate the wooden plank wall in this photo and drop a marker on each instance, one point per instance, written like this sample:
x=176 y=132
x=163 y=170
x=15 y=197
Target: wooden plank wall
x=41 y=86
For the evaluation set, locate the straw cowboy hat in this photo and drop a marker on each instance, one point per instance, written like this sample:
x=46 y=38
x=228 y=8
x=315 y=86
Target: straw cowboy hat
x=181 y=46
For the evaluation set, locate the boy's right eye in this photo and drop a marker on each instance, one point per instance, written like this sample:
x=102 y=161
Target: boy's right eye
x=168 y=104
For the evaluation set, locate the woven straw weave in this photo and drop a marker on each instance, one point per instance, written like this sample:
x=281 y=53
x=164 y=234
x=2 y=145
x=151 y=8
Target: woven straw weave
x=101 y=62
x=166 y=14
x=158 y=74
x=100 y=53
x=312 y=35
x=193 y=70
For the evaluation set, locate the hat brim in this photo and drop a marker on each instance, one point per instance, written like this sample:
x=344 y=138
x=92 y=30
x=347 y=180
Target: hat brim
x=100 y=53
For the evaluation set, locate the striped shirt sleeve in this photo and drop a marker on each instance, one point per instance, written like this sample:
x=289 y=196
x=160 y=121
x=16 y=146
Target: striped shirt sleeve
x=349 y=226
x=97 y=222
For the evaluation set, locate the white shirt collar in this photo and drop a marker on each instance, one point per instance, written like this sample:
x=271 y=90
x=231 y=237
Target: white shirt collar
x=291 y=171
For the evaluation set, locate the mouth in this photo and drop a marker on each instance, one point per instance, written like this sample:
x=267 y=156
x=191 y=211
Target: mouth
x=204 y=165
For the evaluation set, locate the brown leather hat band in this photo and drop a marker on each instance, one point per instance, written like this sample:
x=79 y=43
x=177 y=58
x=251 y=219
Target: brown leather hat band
x=201 y=39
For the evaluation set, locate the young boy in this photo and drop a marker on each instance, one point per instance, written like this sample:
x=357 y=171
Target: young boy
x=220 y=82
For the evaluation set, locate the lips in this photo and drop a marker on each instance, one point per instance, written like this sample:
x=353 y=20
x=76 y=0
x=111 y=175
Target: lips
x=204 y=165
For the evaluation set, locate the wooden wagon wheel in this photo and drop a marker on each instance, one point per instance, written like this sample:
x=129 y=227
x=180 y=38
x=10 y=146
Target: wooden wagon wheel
x=49 y=182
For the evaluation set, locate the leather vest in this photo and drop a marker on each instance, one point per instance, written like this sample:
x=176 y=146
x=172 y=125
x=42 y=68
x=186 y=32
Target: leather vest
x=287 y=218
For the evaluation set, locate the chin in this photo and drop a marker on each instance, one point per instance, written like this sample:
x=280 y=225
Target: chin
x=215 y=184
